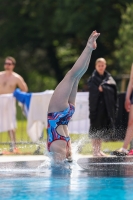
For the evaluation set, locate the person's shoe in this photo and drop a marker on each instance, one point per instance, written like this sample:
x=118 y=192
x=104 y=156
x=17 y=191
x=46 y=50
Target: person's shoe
x=16 y=150
x=120 y=152
x=130 y=152
x=6 y=153
x=11 y=148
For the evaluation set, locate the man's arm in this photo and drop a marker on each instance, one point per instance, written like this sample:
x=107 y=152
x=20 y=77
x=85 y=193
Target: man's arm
x=21 y=84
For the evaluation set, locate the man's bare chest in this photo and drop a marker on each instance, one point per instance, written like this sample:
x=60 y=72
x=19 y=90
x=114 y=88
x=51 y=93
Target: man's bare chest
x=9 y=82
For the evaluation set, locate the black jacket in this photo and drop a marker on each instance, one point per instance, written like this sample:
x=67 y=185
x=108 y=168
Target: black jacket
x=109 y=94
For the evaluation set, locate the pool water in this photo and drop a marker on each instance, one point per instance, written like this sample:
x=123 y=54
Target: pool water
x=40 y=181
x=58 y=187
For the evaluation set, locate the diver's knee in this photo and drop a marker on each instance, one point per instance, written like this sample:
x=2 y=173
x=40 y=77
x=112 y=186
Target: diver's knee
x=72 y=75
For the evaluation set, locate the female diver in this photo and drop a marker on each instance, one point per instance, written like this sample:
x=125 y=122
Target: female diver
x=62 y=104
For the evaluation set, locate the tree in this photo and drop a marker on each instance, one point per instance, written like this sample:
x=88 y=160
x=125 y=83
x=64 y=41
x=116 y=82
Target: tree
x=124 y=43
x=47 y=36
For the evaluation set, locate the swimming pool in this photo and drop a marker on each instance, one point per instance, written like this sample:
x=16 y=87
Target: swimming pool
x=23 y=182
x=49 y=188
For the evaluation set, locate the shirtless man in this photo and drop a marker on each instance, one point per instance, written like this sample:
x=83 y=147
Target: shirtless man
x=9 y=81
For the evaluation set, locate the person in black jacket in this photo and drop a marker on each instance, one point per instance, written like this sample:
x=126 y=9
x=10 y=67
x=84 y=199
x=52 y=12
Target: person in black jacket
x=102 y=105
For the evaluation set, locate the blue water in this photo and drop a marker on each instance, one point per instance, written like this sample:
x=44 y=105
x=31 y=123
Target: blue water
x=64 y=186
x=30 y=180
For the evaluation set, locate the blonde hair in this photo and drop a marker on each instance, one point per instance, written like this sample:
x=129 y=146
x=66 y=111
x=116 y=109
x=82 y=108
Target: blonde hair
x=12 y=59
x=100 y=60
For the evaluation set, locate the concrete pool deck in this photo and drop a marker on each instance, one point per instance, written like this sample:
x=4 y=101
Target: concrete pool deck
x=93 y=166
x=19 y=158
x=84 y=158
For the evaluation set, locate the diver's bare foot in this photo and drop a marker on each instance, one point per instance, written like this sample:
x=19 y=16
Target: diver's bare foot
x=92 y=40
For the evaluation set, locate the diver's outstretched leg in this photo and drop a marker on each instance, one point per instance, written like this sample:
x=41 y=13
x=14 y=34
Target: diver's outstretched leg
x=60 y=98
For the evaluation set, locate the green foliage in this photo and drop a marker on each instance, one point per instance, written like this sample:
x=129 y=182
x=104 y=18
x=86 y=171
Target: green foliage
x=47 y=36
x=124 y=43
x=40 y=83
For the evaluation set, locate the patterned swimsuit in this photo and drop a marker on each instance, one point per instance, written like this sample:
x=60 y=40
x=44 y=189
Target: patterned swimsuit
x=54 y=120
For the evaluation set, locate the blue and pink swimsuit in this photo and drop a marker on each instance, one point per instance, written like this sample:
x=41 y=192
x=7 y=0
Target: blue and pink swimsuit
x=54 y=120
